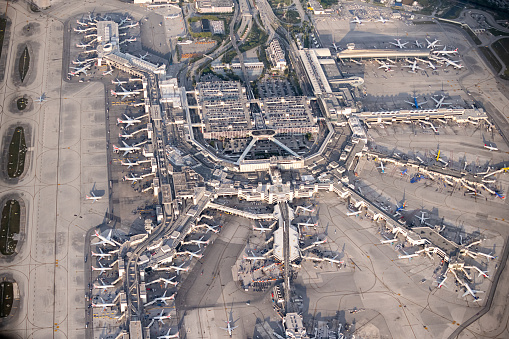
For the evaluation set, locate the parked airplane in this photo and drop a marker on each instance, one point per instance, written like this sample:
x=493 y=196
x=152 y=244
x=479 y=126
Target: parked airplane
x=92 y=197
x=128 y=121
x=179 y=268
x=123 y=20
x=430 y=64
x=306 y=209
x=103 y=305
x=382 y=169
x=307 y=224
x=78 y=70
x=418 y=44
x=452 y=63
x=198 y=242
x=422 y=218
x=440 y=103
x=102 y=268
x=433 y=44
x=161 y=317
x=471 y=292
x=142 y=57
x=42 y=98
x=382 y=20
x=102 y=254
x=261 y=229
x=132 y=178
x=125 y=93
x=126 y=148
x=401 y=208
x=168 y=335
x=194 y=254
x=336 y=47
x=103 y=285
x=118 y=82
x=130 y=25
x=357 y=20
x=106 y=240
x=416 y=104
x=163 y=299
x=165 y=281
x=413 y=65
x=229 y=328
x=129 y=164
x=86 y=61
x=83 y=45
x=131 y=39
x=442 y=283
x=384 y=66
x=398 y=43
x=108 y=72
x=437 y=157
x=445 y=52
x=354 y=213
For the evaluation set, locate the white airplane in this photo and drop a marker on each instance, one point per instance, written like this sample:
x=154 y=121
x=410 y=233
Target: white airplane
x=179 y=268
x=471 y=292
x=108 y=72
x=103 y=305
x=208 y=227
x=163 y=299
x=194 y=254
x=261 y=229
x=42 y=98
x=132 y=177
x=129 y=164
x=166 y=282
x=307 y=224
x=86 y=61
x=336 y=47
x=83 y=45
x=123 y=21
x=418 y=44
x=168 y=335
x=440 y=103
x=382 y=168
x=385 y=66
x=433 y=44
x=382 y=20
x=103 y=285
x=106 y=240
x=83 y=30
x=102 y=254
x=354 y=213
x=445 y=52
x=413 y=65
x=78 y=70
x=253 y=257
x=125 y=93
x=430 y=64
x=126 y=148
x=357 y=20
x=131 y=39
x=130 y=25
x=92 y=197
x=142 y=57
x=422 y=218
x=334 y=260
x=229 y=328
x=490 y=145
x=307 y=209
x=118 y=82
x=102 y=268
x=398 y=43
x=128 y=121
x=198 y=242
x=442 y=283
x=161 y=317
x=319 y=242
x=455 y=64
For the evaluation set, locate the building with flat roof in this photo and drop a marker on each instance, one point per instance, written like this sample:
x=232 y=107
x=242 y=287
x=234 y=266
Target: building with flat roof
x=276 y=55
x=294 y=326
x=224 y=109
x=108 y=39
x=170 y=92
x=289 y=115
x=314 y=71
x=383 y=53
x=214 y=6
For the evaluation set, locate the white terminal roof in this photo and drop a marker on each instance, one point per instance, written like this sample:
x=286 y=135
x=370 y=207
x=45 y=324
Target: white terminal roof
x=383 y=53
x=294 y=244
x=170 y=92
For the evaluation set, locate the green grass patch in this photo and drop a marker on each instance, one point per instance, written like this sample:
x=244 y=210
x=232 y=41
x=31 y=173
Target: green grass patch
x=255 y=38
x=491 y=58
x=17 y=153
x=22 y=103
x=9 y=226
x=6 y=298
x=453 y=12
x=501 y=47
x=228 y=56
x=472 y=35
x=24 y=64
x=3 y=24
x=328 y=3
x=279 y=3
x=496 y=32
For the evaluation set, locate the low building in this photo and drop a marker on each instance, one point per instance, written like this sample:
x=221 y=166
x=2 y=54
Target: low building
x=294 y=327
x=170 y=92
x=217 y=26
x=214 y=6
